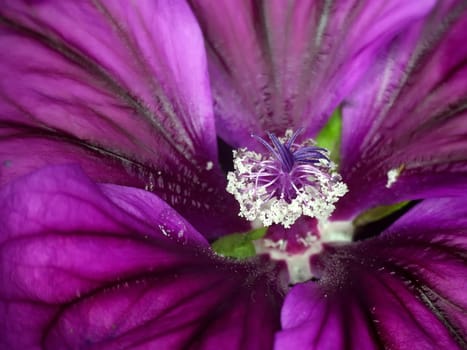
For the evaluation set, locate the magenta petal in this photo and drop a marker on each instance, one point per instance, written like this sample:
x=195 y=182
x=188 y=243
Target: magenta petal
x=84 y=266
x=62 y=198
x=185 y=310
x=276 y=66
x=109 y=86
x=410 y=115
x=311 y=321
x=402 y=290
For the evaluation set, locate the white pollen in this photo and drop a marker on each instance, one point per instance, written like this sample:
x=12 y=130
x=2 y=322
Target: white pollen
x=209 y=165
x=314 y=198
x=163 y=230
x=392 y=175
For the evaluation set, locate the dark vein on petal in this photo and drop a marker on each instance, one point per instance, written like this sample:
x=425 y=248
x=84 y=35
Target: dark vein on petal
x=178 y=304
x=403 y=304
x=94 y=69
x=62 y=135
x=438 y=313
x=420 y=243
x=345 y=321
x=212 y=317
x=369 y=320
x=155 y=335
x=214 y=49
x=144 y=277
x=148 y=73
x=83 y=105
x=441 y=316
x=243 y=343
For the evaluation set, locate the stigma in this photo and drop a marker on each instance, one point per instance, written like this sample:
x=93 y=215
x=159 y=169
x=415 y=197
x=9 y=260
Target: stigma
x=288 y=180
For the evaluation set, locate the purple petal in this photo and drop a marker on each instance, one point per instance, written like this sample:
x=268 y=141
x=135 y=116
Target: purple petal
x=410 y=117
x=84 y=266
x=110 y=86
x=172 y=311
x=402 y=290
x=275 y=66
x=311 y=321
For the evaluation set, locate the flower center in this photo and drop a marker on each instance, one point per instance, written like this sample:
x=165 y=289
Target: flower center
x=286 y=182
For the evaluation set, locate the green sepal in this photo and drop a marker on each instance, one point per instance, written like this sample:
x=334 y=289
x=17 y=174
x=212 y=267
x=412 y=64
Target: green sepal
x=238 y=245
x=330 y=135
x=378 y=213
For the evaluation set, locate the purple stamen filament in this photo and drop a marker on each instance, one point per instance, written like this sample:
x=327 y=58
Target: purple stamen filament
x=288 y=159
x=284 y=154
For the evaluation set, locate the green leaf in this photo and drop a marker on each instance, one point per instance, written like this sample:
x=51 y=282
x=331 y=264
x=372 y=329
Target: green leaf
x=330 y=135
x=238 y=245
x=378 y=213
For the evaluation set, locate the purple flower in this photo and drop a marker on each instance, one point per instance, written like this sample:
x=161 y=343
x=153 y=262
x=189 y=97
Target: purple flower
x=122 y=89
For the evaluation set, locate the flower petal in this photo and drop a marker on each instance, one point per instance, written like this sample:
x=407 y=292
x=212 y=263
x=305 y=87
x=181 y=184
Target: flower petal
x=405 y=129
x=275 y=66
x=185 y=310
x=402 y=290
x=83 y=266
x=109 y=86
x=311 y=321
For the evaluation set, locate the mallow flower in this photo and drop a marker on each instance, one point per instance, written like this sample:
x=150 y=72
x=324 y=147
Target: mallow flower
x=117 y=219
